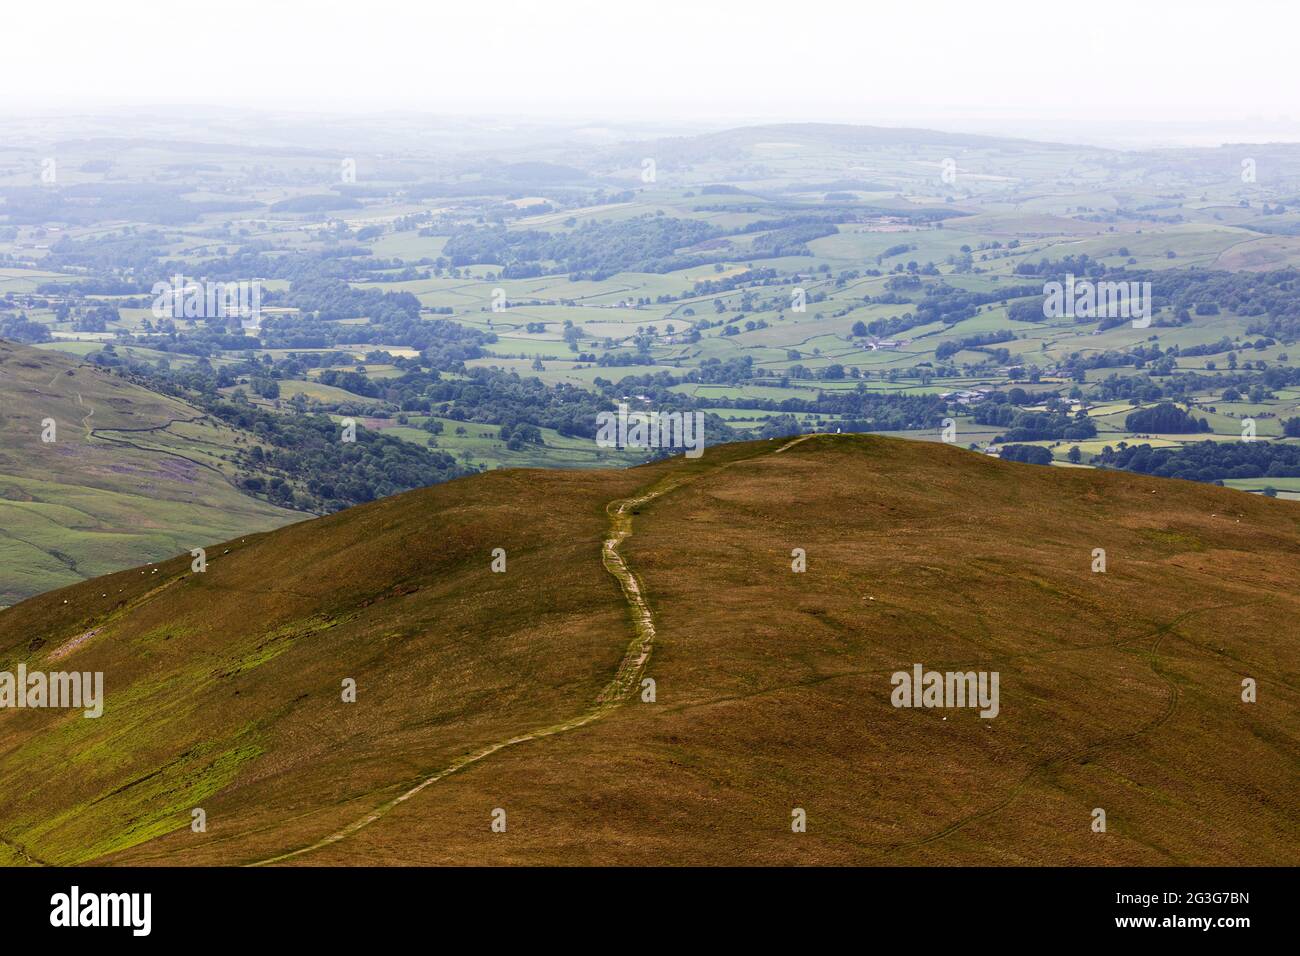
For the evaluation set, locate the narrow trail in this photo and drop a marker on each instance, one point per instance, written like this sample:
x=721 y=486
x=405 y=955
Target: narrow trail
x=21 y=850
x=85 y=422
x=614 y=694
x=99 y=433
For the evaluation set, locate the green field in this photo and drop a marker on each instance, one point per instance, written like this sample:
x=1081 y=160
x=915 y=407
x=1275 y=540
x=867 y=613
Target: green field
x=800 y=277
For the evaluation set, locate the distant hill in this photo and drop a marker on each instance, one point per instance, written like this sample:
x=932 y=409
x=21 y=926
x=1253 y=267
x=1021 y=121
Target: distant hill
x=838 y=136
x=522 y=691
x=132 y=475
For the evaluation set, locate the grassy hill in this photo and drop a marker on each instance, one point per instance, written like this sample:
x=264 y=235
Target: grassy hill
x=132 y=475
x=521 y=691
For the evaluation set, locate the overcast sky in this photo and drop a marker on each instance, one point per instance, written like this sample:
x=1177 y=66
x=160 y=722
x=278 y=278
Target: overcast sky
x=1226 y=69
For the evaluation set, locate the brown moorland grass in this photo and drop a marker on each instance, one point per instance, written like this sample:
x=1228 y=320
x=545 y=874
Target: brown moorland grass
x=1119 y=691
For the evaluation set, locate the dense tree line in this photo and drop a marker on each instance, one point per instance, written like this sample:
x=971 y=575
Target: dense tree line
x=319 y=472
x=318 y=203
x=1271 y=299
x=940 y=302
x=1032 y=454
x=1165 y=419
x=792 y=240
x=308 y=467
x=950 y=305
x=595 y=250
x=330 y=299
x=18 y=328
x=973 y=343
x=1207 y=460
x=1182 y=385
x=88 y=203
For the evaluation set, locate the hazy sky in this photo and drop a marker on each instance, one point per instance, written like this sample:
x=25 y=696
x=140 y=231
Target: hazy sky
x=1228 y=68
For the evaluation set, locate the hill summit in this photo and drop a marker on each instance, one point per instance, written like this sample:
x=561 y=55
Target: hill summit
x=694 y=661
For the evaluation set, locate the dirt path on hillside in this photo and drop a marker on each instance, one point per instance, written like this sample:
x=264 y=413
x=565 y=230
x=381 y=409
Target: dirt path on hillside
x=624 y=683
x=21 y=851
x=85 y=421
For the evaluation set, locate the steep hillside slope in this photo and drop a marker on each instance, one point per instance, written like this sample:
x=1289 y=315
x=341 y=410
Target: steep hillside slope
x=521 y=691
x=131 y=475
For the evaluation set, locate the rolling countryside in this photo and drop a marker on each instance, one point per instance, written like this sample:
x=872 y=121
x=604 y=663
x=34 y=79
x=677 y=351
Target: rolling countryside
x=530 y=459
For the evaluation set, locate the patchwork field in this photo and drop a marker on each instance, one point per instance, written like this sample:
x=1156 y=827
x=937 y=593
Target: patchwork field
x=477 y=306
